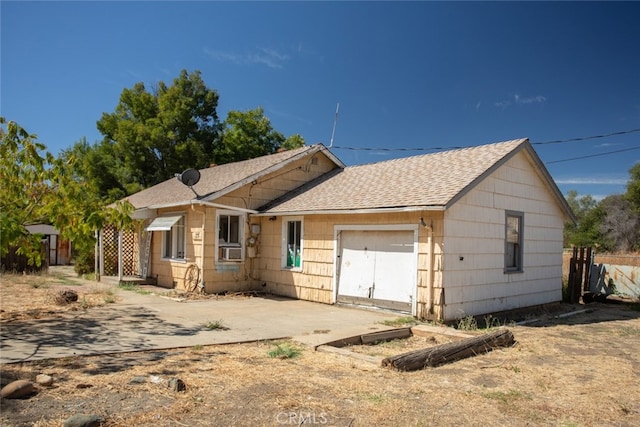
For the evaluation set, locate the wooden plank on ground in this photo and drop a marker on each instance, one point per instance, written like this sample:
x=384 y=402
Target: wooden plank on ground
x=393 y=334
x=428 y=330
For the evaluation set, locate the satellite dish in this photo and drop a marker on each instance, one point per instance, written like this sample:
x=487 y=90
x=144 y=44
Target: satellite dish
x=189 y=177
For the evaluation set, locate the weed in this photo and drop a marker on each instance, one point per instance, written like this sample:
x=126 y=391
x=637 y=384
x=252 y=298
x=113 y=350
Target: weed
x=89 y=276
x=84 y=303
x=627 y=331
x=109 y=298
x=134 y=287
x=506 y=398
x=39 y=284
x=65 y=280
x=285 y=351
x=401 y=321
x=374 y=397
x=493 y=322
x=216 y=325
x=468 y=323
x=128 y=286
x=197 y=347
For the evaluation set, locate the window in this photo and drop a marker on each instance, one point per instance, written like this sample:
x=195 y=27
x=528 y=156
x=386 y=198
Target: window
x=513 y=242
x=174 y=239
x=230 y=236
x=292 y=239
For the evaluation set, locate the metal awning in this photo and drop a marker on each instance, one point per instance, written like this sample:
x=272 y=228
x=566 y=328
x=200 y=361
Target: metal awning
x=163 y=223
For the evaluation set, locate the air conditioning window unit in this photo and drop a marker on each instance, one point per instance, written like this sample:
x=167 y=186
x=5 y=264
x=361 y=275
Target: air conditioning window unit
x=232 y=254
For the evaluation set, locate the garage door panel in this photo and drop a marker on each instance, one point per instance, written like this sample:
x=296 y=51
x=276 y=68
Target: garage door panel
x=377 y=268
x=356 y=273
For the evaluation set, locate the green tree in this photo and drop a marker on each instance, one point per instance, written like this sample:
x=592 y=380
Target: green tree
x=153 y=135
x=249 y=134
x=38 y=188
x=585 y=229
x=633 y=187
x=99 y=165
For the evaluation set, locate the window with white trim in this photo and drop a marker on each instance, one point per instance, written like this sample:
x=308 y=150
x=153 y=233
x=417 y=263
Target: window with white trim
x=174 y=241
x=514 y=226
x=230 y=236
x=292 y=243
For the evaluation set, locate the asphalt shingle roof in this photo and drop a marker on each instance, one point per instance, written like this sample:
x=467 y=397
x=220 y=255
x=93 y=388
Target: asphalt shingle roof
x=424 y=180
x=212 y=180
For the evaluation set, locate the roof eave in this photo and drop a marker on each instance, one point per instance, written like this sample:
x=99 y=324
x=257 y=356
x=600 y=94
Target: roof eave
x=540 y=168
x=313 y=149
x=395 y=209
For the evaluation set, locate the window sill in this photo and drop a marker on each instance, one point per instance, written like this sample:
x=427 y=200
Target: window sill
x=179 y=260
x=513 y=271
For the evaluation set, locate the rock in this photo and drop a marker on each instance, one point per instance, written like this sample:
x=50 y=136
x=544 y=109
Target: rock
x=67 y=296
x=82 y=385
x=155 y=379
x=138 y=380
x=45 y=380
x=176 y=384
x=18 y=389
x=80 y=420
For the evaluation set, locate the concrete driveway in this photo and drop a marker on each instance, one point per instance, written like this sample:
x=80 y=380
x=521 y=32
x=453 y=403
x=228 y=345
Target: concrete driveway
x=152 y=322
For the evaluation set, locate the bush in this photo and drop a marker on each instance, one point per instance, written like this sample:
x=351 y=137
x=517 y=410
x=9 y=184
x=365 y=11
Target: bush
x=85 y=262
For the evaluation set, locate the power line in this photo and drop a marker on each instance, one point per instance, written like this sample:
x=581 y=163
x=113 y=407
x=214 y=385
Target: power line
x=593 y=155
x=584 y=138
x=558 y=141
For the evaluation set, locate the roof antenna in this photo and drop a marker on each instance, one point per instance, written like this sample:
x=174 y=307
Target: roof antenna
x=334 y=125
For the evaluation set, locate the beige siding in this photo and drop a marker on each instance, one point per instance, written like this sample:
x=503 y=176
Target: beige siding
x=200 y=244
x=474 y=278
x=316 y=281
x=200 y=250
x=263 y=190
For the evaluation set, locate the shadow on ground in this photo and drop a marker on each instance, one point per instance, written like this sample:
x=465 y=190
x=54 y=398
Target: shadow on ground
x=101 y=331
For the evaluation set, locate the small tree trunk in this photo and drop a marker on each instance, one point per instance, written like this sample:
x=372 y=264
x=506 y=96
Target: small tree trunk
x=450 y=352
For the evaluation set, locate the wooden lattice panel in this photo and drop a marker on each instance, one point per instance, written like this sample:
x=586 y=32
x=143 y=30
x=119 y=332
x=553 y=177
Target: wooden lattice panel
x=130 y=252
x=110 y=250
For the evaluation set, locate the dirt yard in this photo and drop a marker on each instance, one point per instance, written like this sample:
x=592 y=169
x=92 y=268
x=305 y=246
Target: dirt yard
x=578 y=370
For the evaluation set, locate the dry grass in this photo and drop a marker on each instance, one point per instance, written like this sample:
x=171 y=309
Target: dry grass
x=37 y=296
x=580 y=370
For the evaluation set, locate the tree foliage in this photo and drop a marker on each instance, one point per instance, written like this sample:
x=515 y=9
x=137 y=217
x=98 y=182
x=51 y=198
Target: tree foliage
x=612 y=224
x=38 y=188
x=152 y=135
x=249 y=134
x=620 y=225
x=633 y=187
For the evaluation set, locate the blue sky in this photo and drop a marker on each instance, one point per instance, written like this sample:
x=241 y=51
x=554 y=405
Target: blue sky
x=406 y=74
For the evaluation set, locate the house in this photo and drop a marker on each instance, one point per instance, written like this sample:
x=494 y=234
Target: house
x=441 y=236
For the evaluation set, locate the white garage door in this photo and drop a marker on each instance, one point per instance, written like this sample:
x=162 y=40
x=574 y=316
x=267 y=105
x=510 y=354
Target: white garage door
x=377 y=268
